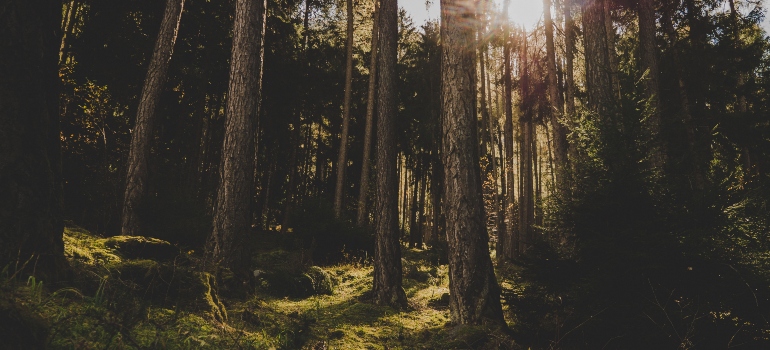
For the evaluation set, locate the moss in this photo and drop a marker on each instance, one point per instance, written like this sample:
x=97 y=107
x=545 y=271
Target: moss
x=216 y=309
x=139 y=247
x=322 y=280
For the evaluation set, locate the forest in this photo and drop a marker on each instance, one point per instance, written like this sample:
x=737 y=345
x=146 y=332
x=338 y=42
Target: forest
x=333 y=174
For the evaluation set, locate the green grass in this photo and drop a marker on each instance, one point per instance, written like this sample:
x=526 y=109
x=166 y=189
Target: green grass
x=108 y=306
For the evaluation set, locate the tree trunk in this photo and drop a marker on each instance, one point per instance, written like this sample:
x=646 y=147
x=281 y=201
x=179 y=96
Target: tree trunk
x=684 y=102
x=612 y=58
x=387 y=287
x=141 y=136
x=569 y=48
x=601 y=97
x=413 y=209
x=649 y=64
x=30 y=148
x=504 y=250
x=69 y=24
x=232 y=216
x=474 y=293
x=362 y=216
x=526 y=194
x=342 y=160
x=557 y=106
x=292 y=190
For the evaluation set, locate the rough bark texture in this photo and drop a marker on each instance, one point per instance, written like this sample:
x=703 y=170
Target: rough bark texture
x=363 y=214
x=342 y=159
x=601 y=99
x=387 y=288
x=30 y=151
x=649 y=62
x=232 y=216
x=141 y=136
x=474 y=293
x=557 y=105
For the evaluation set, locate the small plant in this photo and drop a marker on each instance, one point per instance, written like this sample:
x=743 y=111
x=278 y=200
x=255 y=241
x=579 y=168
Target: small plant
x=35 y=289
x=99 y=296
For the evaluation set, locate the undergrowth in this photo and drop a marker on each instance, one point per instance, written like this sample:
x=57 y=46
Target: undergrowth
x=114 y=302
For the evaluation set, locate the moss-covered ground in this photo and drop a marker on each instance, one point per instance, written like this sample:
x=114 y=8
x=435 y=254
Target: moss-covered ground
x=115 y=302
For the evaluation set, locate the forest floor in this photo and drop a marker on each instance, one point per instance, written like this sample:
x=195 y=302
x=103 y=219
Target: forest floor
x=124 y=297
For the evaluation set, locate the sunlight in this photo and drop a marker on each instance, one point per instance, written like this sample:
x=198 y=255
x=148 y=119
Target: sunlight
x=525 y=13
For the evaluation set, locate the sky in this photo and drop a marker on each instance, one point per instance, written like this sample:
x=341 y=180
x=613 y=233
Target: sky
x=523 y=12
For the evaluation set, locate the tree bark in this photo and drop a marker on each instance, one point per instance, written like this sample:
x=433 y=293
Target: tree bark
x=474 y=292
x=342 y=160
x=526 y=194
x=601 y=97
x=649 y=64
x=31 y=222
x=387 y=289
x=569 y=48
x=232 y=216
x=69 y=24
x=504 y=250
x=362 y=216
x=141 y=136
x=557 y=106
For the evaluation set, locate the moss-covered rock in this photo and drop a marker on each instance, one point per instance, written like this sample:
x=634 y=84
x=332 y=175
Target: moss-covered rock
x=314 y=281
x=139 y=247
x=20 y=328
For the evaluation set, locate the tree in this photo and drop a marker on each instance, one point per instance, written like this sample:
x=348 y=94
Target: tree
x=474 y=293
x=649 y=60
x=557 y=105
x=527 y=154
x=601 y=97
x=141 y=137
x=31 y=223
x=232 y=214
x=506 y=239
x=387 y=288
x=362 y=214
x=342 y=159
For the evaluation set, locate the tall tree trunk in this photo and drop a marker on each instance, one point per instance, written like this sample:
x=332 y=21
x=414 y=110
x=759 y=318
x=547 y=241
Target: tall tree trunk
x=342 y=160
x=684 y=102
x=69 y=24
x=526 y=194
x=649 y=64
x=413 y=209
x=505 y=239
x=569 y=48
x=31 y=222
x=749 y=170
x=363 y=194
x=387 y=288
x=601 y=97
x=232 y=216
x=557 y=106
x=612 y=58
x=474 y=292
x=420 y=238
x=141 y=137
x=291 y=191
x=485 y=139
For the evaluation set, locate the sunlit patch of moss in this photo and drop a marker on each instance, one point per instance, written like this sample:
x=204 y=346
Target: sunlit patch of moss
x=83 y=247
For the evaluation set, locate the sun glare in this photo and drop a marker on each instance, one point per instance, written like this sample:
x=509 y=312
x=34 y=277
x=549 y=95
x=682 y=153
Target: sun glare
x=525 y=13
